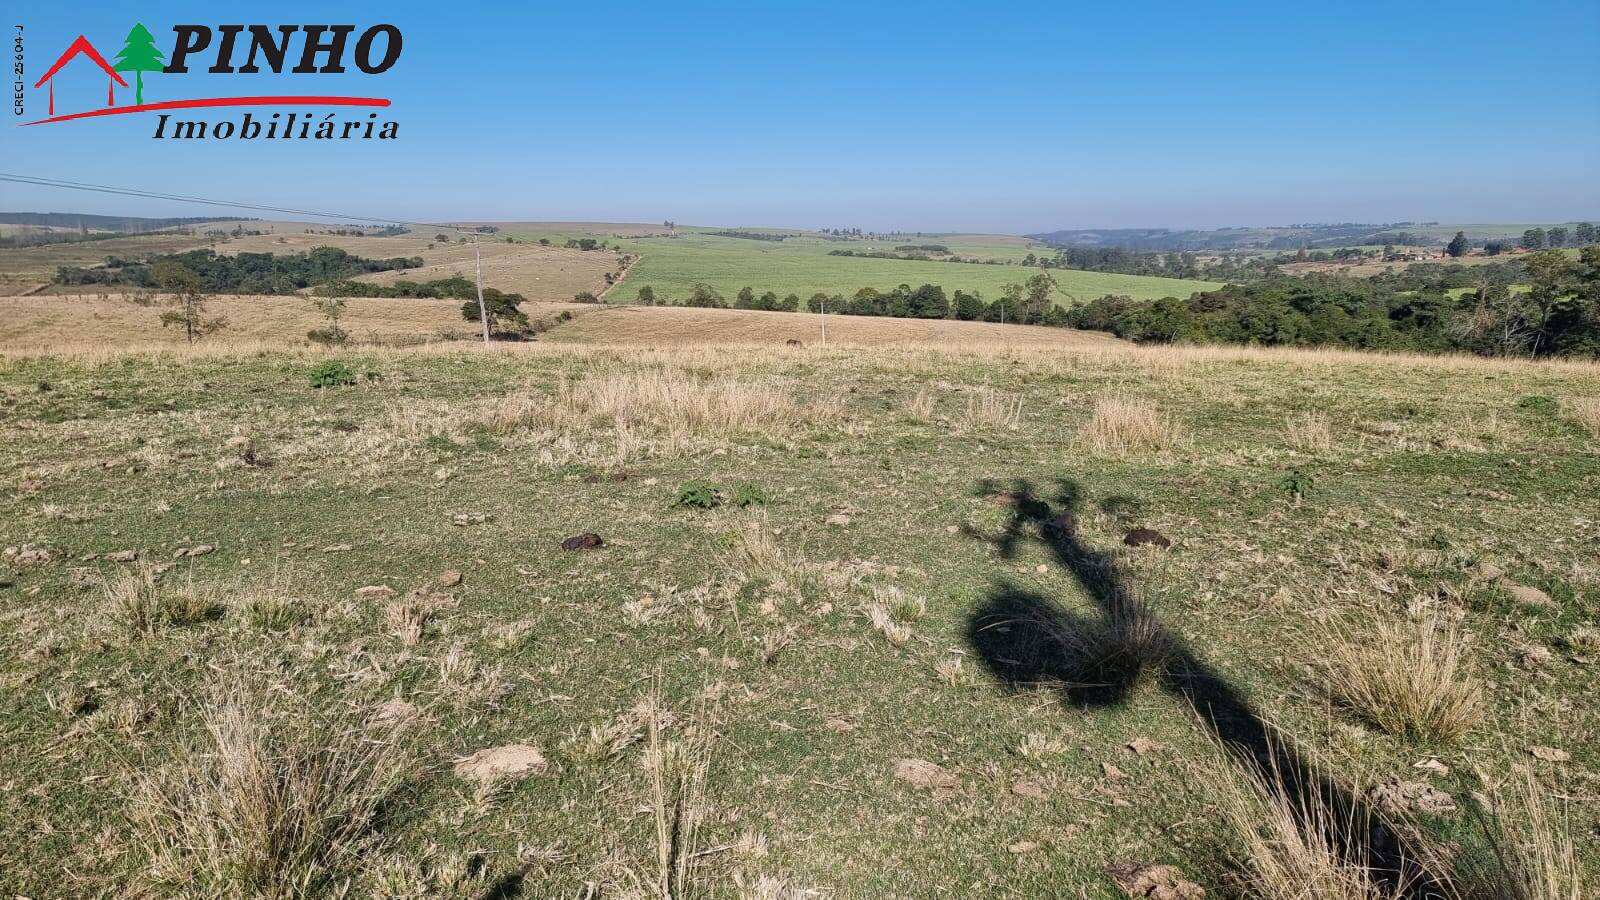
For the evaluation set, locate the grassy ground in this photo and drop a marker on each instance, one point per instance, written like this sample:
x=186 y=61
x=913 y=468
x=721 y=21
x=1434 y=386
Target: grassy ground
x=862 y=683
x=801 y=265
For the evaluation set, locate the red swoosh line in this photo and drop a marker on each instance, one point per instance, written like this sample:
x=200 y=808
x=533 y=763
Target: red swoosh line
x=210 y=102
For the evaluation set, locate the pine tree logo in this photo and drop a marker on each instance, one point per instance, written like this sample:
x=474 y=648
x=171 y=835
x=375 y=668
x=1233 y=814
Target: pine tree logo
x=139 y=55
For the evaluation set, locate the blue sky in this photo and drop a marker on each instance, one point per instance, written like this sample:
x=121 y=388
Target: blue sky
x=928 y=116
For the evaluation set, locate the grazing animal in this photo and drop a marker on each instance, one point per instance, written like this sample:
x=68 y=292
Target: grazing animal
x=794 y=342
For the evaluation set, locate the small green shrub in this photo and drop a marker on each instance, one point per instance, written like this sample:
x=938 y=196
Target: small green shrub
x=749 y=495
x=332 y=336
x=698 y=495
x=1297 y=484
x=1539 y=403
x=331 y=373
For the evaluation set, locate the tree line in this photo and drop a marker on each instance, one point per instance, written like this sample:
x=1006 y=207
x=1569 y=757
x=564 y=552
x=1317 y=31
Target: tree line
x=1557 y=315
x=243 y=273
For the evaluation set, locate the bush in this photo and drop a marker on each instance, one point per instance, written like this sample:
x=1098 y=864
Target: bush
x=698 y=495
x=332 y=336
x=750 y=495
x=585 y=297
x=331 y=373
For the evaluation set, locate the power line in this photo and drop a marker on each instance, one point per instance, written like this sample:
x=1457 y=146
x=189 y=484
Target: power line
x=39 y=181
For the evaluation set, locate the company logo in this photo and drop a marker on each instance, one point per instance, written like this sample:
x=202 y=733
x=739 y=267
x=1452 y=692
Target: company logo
x=236 y=50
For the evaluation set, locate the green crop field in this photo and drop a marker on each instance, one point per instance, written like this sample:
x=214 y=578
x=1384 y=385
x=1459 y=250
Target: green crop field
x=801 y=265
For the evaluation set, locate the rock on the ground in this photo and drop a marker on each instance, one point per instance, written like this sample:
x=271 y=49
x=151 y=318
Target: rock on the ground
x=449 y=578
x=395 y=711
x=122 y=556
x=375 y=592
x=509 y=761
x=837 y=520
x=1529 y=596
x=921 y=773
x=33 y=556
x=1146 y=537
x=586 y=541
x=1154 y=882
x=1398 y=797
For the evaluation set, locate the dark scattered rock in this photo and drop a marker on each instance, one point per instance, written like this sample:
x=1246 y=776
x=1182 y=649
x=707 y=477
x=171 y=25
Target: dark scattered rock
x=792 y=342
x=586 y=541
x=1141 y=537
x=254 y=460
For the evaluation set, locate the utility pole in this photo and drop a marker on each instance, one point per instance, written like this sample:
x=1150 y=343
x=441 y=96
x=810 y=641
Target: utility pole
x=483 y=312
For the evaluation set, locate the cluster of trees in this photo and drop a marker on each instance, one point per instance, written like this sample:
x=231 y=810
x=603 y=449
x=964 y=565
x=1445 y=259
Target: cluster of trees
x=1028 y=302
x=1559 y=314
x=1582 y=234
x=749 y=235
x=583 y=244
x=244 y=273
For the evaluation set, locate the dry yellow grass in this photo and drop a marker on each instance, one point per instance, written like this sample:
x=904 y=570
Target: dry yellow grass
x=268 y=802
x=679 y=326
x=1309 y=433
x=1288 y=841
x=66 y=322
x=1408 y=676
x=1587 y=412
x=1123 y=425
x=1537 y=858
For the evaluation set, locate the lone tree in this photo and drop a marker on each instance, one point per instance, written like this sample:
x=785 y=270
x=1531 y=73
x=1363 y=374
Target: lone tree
x=1556 y=237
x=139 y=55
x=332 y=310
x=506 y=318
x=1533 y=239
x=188 y=301
x=647 y=296
x=1457 y=245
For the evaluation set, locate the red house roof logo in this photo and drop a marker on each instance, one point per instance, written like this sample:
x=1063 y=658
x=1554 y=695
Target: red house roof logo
x=82 y=45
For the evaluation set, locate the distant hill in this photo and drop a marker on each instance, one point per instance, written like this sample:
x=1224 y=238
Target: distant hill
x=128 y=224
x=1286 y=237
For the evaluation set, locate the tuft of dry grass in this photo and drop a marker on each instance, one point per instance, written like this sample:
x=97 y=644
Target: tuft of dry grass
x=1535 y=857
x=1126 y=425
x=270 y=801
x=1292 y=844
x=139 y=604
x=756 y=552
x=1586 y=412
x=1309 y=433
x=920 y=408
x=989 y=408
x=1408 y=676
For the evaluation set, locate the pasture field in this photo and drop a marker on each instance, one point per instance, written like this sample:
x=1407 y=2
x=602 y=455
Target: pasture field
x=801 y=265
x=862 y=621
x=109 y=322
x=541 y=274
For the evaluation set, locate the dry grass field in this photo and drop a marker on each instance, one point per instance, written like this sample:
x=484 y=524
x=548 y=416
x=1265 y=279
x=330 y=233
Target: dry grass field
x=668 y=326
x=929 y=612
x=542 y=274
x=116 y=322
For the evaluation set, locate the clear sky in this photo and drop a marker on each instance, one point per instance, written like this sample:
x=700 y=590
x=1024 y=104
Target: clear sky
x=928 y=116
